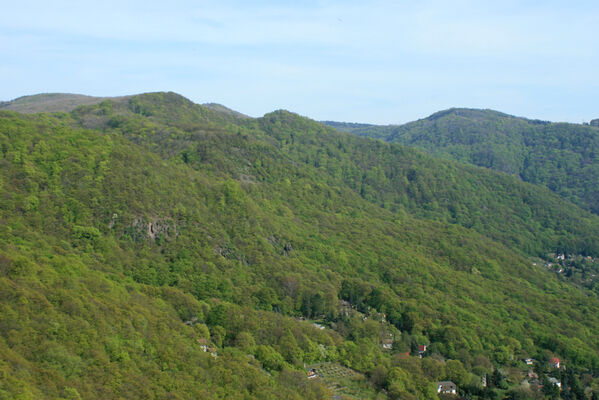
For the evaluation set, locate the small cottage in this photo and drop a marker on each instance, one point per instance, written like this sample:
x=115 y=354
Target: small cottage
x=446 y=387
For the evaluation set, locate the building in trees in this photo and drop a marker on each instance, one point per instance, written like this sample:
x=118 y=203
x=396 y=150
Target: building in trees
x=446 y=387
x=421 y=350
x=387 y=343
x=555 y=362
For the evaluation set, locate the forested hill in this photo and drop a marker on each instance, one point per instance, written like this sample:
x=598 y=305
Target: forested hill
x=560 y=156
x=137 y=234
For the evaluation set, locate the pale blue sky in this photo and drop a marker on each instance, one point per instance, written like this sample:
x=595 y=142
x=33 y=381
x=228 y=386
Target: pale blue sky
x=378 y=62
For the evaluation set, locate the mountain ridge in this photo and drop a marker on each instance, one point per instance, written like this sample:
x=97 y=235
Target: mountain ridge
x=560 y=156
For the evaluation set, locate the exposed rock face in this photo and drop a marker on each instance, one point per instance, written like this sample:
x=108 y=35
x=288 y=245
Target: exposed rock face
x=287 y=248
x=154 y=229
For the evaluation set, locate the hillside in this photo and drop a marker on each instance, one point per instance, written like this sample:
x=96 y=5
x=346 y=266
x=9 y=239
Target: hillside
x=560 y=156
x=136 y=232
x=396 y=178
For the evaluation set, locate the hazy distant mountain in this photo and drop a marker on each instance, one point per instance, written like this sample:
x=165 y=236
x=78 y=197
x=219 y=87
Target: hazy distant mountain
x=49 y=102
x=225 y=110
x=561 y=156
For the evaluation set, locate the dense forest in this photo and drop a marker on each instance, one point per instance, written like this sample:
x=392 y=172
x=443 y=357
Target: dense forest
x=560 y=156
x=155 y=248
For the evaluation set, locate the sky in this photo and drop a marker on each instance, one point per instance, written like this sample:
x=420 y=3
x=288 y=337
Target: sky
x=383 y=62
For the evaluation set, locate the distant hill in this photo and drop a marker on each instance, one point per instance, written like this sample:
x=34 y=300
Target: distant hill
x=49 y=102
x=366 y=130
x=563 y=157
x=225 y=110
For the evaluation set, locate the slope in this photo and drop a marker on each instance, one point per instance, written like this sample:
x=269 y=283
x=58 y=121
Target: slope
x=559 y=156
x=522 y=216
x=156 y=210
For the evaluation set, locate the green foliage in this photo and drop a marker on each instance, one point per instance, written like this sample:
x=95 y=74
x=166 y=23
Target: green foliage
x=162 y=228
x=559 y=156
x=270 y=358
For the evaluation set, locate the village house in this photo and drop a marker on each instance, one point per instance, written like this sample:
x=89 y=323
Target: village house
x=387 y=343
x=421 y=350
x=312 y=374
x=555 y=362
x=529 y=361
x=446 y=387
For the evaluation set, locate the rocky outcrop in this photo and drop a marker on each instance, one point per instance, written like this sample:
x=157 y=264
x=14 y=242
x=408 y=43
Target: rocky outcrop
x=154 y=229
